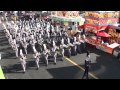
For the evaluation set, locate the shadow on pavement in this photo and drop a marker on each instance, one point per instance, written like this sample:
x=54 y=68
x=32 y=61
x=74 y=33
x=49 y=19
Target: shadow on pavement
x=5 y=49
x=71 y=72
x=3 y=39
x=105 y=67
x=9 y=56
x=16 y=68
x=31 y=63
x=3 y=44
x=108 y=68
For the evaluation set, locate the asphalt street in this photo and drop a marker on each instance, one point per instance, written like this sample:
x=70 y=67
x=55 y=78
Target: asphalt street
x=103 y=66
x=12 y=68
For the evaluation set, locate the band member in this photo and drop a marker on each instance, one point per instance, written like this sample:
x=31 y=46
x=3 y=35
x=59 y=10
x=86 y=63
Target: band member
x=10 y=39
x=23 y=60
x=37 y=58
x=63 y=43
x=34 y=49
x=45 y=52
x=69 y=43
x=62 y=50
x=75 y=43
x=15 y=48
x=54 y=51
x=24 y=43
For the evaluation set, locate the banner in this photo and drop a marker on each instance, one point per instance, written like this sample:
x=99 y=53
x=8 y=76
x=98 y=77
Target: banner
x=102 y=22
x=99 y=21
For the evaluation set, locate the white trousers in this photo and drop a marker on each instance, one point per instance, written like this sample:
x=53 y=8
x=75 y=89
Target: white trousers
x=37 y=62
x=23 y=63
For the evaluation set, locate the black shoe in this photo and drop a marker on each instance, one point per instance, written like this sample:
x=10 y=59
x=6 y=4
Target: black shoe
x=76 y=53
x=24 y=72
x=62 y=60
x=37 y=68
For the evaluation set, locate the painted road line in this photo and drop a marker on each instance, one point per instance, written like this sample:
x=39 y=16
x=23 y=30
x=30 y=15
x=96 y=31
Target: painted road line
x=1 y=74
x=80 y=67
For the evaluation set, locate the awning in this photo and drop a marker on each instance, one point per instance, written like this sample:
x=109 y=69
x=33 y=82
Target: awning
x=60 y=18
x=97 y=28
x=102 y=34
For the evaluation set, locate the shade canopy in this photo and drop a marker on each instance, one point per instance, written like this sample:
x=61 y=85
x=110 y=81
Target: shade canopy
x=102 y=34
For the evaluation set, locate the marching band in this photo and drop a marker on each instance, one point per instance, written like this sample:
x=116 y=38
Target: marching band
x=43 y=36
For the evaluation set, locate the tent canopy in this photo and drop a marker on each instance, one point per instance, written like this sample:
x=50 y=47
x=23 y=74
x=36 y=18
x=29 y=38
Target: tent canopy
x=102 y=34
x=78 y=19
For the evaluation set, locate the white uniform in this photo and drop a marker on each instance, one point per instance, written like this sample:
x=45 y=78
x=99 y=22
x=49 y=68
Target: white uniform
x=63 y=45
x=16 y=51
x=25 y=44
x=15 y=47
x=23 y=60
x=52 y=28
x=45 y=53
x=34 y=49
x=69 y=42
x=57 y=28
x=54 y=46
x=37 y=56
x=54 y=50
x=48 y=27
